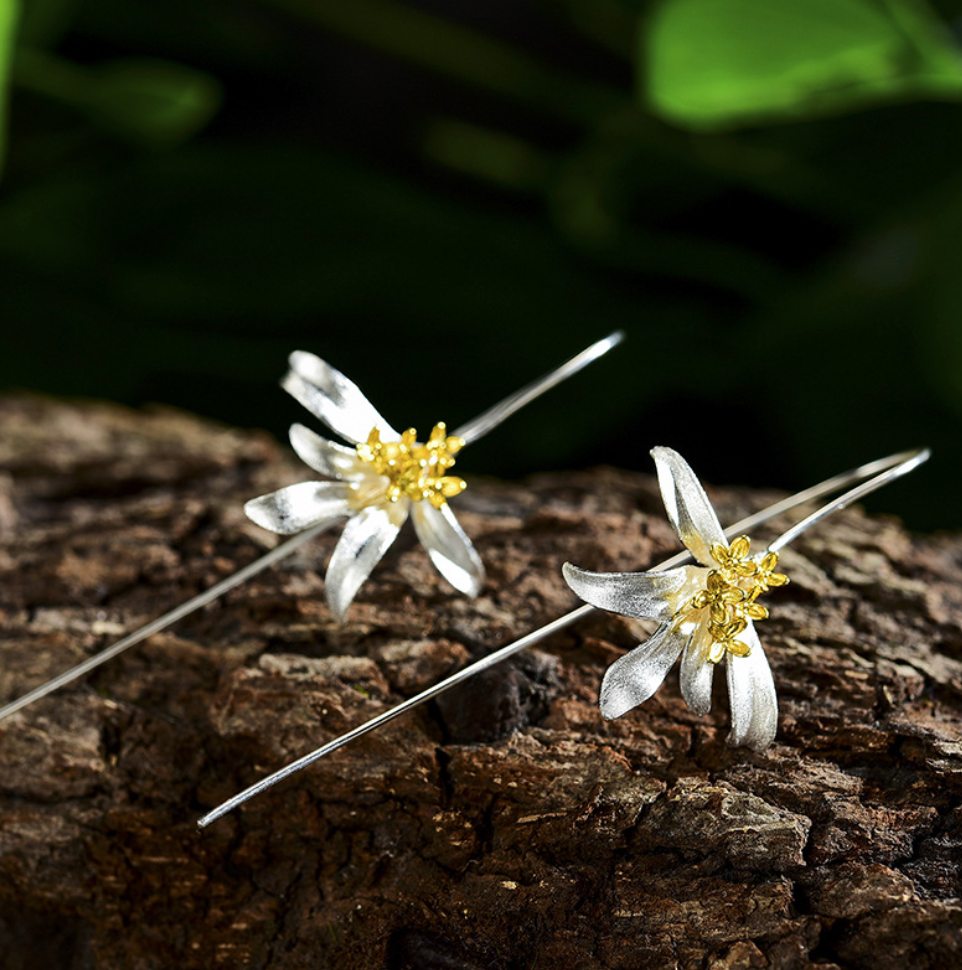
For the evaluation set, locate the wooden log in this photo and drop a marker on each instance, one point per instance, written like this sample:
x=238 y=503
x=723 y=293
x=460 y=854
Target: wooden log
x=506 y=826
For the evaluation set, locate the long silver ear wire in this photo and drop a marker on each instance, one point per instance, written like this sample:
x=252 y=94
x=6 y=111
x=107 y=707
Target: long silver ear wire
x=337 y=386
x=870 y=477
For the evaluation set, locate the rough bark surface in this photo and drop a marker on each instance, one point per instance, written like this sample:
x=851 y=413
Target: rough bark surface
x=508 y=827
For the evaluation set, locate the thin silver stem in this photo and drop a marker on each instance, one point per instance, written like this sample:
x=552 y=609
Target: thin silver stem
x=162 y=622
x=389 y=715
x=470 y=432
x=494 y=416
x=884 y=471
x=890 y=468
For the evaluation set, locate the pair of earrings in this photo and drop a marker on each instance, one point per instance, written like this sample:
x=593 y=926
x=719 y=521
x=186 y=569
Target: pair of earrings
x=706 y=612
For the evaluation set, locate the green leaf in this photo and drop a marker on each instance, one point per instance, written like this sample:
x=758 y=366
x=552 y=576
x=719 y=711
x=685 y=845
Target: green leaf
x=9 y=11
x=723 y=63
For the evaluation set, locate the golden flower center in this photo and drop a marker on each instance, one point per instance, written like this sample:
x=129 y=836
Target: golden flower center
x=414 y=469
x=730 y=595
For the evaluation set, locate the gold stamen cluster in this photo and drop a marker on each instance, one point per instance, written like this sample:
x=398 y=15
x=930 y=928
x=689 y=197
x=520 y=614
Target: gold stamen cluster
x=413 y=469
x=730 y=595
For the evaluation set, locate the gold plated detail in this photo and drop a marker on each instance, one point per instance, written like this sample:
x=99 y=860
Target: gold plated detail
x=416 y=470
x=730 y=595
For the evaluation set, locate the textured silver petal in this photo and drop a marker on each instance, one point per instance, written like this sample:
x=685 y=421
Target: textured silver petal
x=652 y=595
x=363 y=542
x=687 y=505
x=751 y=693
x=633 y=678
x=325 y=456
x=695 y=675
x=449 y=548
x=300 y=506
x=337 y=401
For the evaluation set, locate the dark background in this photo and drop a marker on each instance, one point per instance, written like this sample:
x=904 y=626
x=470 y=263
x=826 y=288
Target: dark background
x=445 y=198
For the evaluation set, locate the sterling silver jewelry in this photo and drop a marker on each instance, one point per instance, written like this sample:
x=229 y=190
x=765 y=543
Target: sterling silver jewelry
x=378 y=481
x=662 y=593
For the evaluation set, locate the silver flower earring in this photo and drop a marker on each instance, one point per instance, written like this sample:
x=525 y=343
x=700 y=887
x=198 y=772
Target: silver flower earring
x=377 y=483
x=706 y=614
x=707 y=611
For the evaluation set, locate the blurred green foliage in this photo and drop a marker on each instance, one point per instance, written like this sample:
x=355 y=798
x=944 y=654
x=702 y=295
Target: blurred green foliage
x=446 y=197
x=715 y=63
x=9 y=10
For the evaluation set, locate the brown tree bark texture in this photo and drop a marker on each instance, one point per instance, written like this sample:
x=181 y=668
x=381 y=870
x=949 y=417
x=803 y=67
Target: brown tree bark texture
x=506 y=827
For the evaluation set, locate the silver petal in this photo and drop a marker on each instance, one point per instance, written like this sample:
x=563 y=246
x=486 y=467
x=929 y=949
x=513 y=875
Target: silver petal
x=695 y=675
x=633 y=678
x=297 y=507
x=449 y=548
x=751 y=693
x=652 y=595
x=363 y=542
x=687 y=505
x=337 y=401
x=325 y=456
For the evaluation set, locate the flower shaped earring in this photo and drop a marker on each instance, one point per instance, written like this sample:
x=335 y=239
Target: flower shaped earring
x=706 y=614
x=378 y=483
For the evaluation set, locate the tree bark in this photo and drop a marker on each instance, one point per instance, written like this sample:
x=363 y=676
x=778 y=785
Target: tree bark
x=506 y=827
